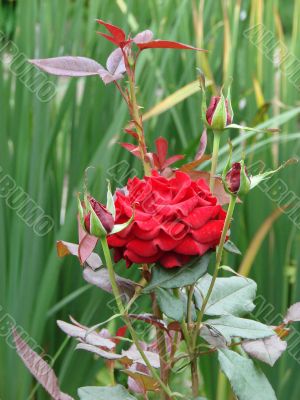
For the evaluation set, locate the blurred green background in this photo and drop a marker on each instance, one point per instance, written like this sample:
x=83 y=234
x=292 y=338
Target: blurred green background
x=45 y=147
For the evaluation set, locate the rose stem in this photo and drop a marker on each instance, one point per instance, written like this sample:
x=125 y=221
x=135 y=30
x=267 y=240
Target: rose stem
x=116 y=293
x=218 y=262
x=134 y=112
x=214 y=160
x=184 y=327
x=194 y=361
x=161 y=345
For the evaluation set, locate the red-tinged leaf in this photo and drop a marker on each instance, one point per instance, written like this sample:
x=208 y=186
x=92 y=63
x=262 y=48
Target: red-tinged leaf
x=172 y=160
x=140 y=382
x=174 y=326
x=166 y=44
x=127 y=357
x=74 y=322
x=134 y=355
x=143 y=37
x=109 y=38
x=132 y=133
x=102 y=353
x=219 y=191
x=267 y=350
x=42 y=371
x=69 y=66
x=132 y=149
x=66 y=248
x=93 y=338
x=194 y=164
x=115 y=63
x=100 y=278
x=293 y=313
x=150 y=319
x=107 y=77
x=154 y=158
x=162 y=149
x=81 y=231
x=86 y=247
x=118 y=35
x=202 y=145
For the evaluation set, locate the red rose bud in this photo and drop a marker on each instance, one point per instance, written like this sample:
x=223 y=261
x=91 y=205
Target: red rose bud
x=94 y=217
x=237 y=180
x=103 y=215
x=218 y=115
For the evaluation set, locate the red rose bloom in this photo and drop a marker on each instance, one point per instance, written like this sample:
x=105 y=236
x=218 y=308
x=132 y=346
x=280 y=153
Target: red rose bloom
x=175 y=219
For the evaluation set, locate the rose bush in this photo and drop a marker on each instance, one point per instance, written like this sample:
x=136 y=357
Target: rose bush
x=174 y=220
x=165 y=219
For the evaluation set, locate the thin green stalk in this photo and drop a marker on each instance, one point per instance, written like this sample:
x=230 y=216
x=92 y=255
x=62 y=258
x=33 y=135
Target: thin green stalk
x=112 y=276
x=217 y=266
x=183 y=324
x=194 y=361
x=116 y=293
x=173 y=349
x=195 y=377
x=214 y=160
x=162 y=348
x=190 y=303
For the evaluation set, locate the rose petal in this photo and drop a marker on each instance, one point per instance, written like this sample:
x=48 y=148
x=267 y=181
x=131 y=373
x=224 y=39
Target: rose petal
x=210 y=232
x=172 y=260
x=190 y=247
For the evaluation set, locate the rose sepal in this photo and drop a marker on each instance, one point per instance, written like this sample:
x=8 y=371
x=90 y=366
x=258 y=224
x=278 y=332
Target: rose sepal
x=120 y=227
x=218 y=122
x=80 y=210
x=110 y=204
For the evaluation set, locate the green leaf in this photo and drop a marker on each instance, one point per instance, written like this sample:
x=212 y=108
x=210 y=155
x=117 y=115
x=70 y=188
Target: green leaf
x=233 y=295
x=230 y=326
x=117 y=392
x=178 y=277
x=231 y=247
x=257 y=179
x=229 y=269
x=247 y=128
x=170 y=305
x=247 y=380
